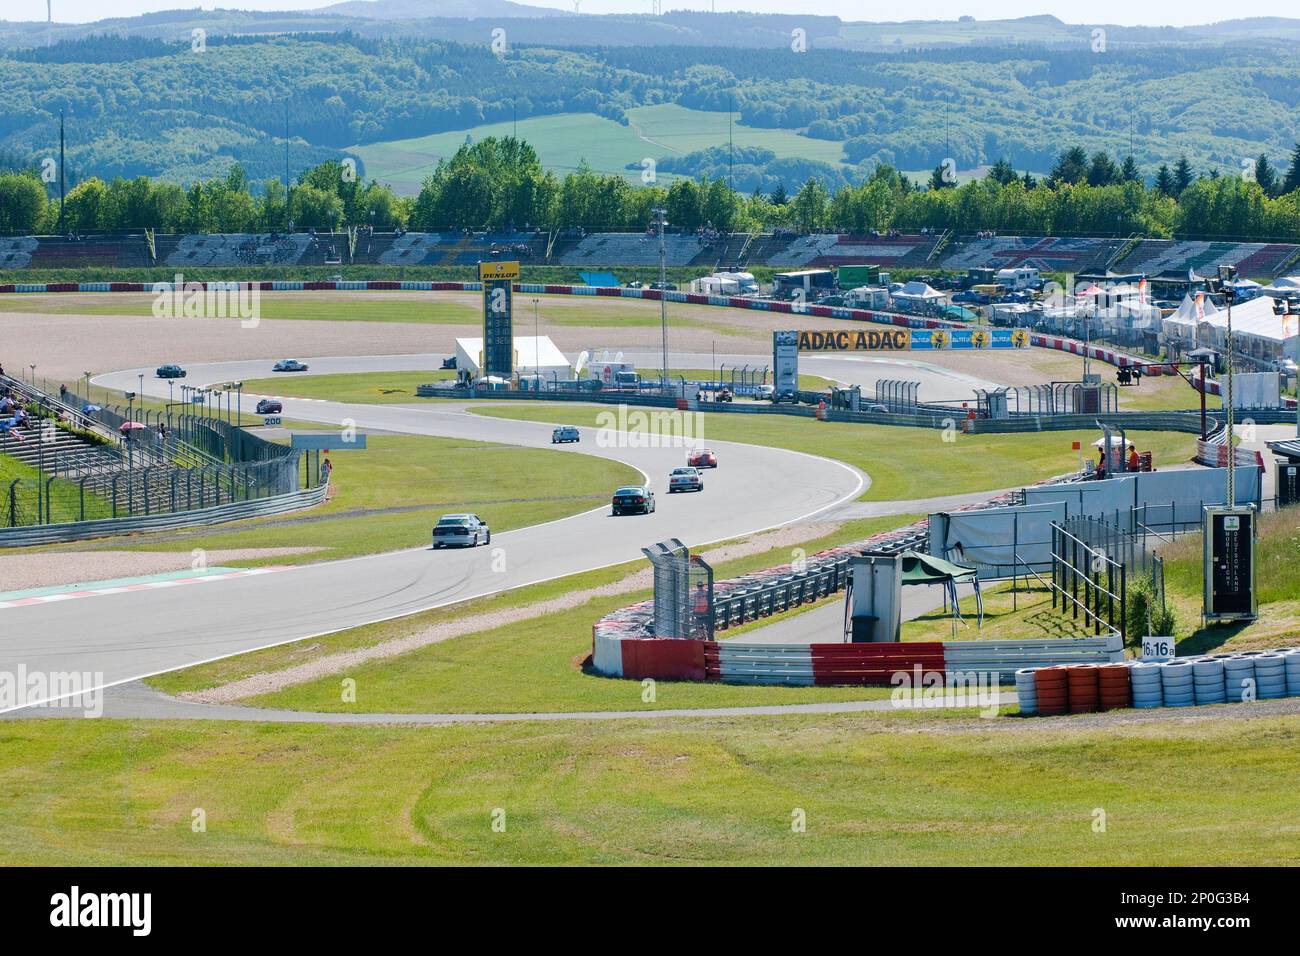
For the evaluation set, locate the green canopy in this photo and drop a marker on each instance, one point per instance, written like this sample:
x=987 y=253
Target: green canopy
x=927 y=569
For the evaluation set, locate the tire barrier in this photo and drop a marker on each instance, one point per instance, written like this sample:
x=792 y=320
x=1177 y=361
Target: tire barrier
x=1185 y=682
x=1027 y=690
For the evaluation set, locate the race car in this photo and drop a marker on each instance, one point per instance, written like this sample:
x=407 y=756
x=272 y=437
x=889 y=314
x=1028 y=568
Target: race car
x=466 y=531
x=289 y=365
x=269 y=406
x=565 y=433
x=634 y=499
x=685 y=479
x=702 y=458
x=170 y=371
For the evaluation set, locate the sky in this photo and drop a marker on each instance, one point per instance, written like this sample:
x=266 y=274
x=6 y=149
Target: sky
x=1127 y=12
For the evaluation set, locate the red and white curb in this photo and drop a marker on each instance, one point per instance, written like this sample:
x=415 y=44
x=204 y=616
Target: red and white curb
x=142 y=586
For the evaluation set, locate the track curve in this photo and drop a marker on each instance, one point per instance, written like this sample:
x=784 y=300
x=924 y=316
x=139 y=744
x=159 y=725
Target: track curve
x=134 y=634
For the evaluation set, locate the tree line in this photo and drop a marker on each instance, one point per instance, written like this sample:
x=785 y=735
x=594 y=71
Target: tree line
x=500 y=184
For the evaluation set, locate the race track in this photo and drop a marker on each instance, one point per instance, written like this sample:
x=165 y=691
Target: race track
x=133 y=634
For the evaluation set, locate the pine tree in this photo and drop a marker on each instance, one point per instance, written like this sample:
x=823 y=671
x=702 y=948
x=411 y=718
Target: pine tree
x=1029 y=181
x=1265 y=175
x=1002 y=173
x=779 y=196
x=1072 y=167
x=1183 y=175
x=1128 y=172
x=939 y=179
x=1102 y=171
x=1164 y=180
x=1292 y=181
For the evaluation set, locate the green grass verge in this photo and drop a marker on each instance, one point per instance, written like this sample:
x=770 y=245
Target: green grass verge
x=389 y=496
x=349 y=307
x=465 y=674
x=877 y=789
x=902 y=462
x=368 y=388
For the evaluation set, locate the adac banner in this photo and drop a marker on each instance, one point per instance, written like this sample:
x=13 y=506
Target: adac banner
x=903 y=340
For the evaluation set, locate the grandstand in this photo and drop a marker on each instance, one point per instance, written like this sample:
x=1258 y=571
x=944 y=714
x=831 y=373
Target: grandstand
x=833 y=250
x=239 y=249
x=633 y=249
x=16 y=253
x=1045 y=253
x=782 y=249
x=1155 y=256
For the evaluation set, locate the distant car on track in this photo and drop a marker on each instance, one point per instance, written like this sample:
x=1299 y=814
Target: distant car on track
x=702 y=458
x=269 y=406
x=170 y=371
x=634 y=499
x=465 y=531
x=685 y=479
x=289 y=365
x=565 y=433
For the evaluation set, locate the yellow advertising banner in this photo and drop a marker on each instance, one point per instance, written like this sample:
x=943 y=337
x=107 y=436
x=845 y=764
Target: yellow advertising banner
x=497 y=270
x=857 y=340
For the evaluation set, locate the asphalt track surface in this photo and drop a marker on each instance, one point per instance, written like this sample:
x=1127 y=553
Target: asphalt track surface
x=134 y=634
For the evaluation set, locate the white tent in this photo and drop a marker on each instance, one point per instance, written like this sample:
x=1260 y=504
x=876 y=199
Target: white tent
x=918 y=292
x=1289 y=285
x=1256 y=329
x=532 y=355
x=1183 y=324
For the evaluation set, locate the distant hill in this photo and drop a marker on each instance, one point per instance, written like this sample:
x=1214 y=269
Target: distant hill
x=443 y=9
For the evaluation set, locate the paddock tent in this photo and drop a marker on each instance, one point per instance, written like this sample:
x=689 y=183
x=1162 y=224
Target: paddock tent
x=1288 y=285
x=927 y=569
x=532 y=354
x=1182 y=324
x=918 y=293
x=1256 y=329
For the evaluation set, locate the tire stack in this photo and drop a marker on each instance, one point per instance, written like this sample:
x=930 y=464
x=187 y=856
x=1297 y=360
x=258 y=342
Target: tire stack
x=1027 y=691
x=1270 y=676
x=1148 y=688
x=1114 y=686
x=1050 y=691
x=1084 y=695
x=1292 y=667
x=1238 y=674
x=1208 y=681
x=1176 y=684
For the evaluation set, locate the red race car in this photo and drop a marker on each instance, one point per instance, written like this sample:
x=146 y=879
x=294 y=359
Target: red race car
x=702 y=458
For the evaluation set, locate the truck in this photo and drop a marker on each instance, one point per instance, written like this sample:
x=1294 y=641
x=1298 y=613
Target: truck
x=858 y=275
x=808 y=284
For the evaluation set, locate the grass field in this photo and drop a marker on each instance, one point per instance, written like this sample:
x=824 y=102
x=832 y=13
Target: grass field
x=389 y=496
x=566 y=140
x=879 y=789
x=902 y=462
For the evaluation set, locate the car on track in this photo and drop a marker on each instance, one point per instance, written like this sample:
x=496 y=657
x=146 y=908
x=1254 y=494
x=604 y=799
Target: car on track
x=170 y=371
x=565 y=433
x=289 y=365
x=462 y=531
x=685 y=479
x=634 y=499
x=269 y=406
x=702 y=458
x=765 y=391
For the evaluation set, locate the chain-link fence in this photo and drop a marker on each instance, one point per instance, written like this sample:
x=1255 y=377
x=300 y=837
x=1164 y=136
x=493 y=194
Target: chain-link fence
x=683 y=586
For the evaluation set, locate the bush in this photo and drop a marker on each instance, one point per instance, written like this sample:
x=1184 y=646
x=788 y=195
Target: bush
x=1147 y=615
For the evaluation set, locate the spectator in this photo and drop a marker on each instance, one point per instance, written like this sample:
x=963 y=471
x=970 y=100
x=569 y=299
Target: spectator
x=1134 y=462
x=1101 y=465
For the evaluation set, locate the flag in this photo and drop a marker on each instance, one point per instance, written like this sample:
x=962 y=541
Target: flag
x=1142 y=291
x=1200 y=306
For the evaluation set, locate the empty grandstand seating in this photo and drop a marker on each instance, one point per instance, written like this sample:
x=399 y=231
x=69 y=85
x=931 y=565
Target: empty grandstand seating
x=239 y=249
x=16 y=253
x=58 y=252
x=1155 y=256
x=632 y=249
x=1045 y=253
x=890 y=251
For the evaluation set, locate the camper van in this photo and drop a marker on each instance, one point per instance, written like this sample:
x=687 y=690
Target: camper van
x=1018 y=279
x=745 y=281
x=867 y=297
x=808 y=283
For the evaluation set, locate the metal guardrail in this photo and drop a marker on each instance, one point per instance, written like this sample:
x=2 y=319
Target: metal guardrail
x=1006 y=657
x=108 y=527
